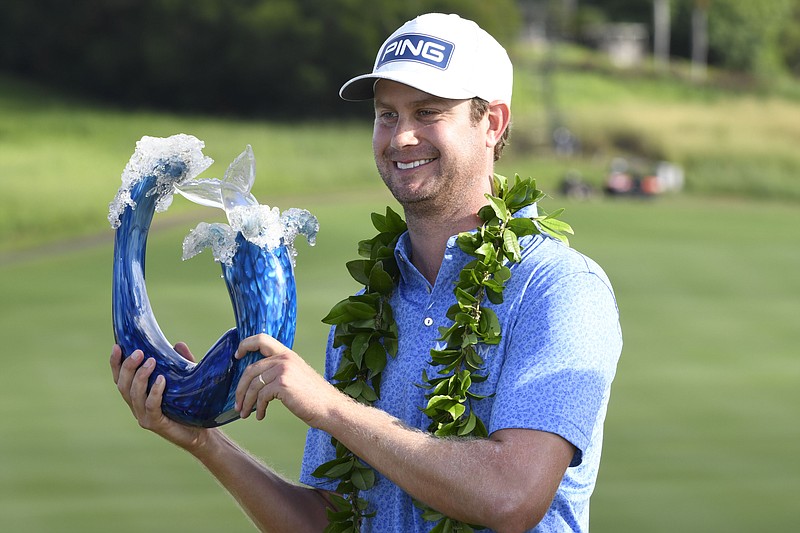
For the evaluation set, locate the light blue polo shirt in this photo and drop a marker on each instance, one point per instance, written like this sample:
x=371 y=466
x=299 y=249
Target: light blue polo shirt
x=551 y=372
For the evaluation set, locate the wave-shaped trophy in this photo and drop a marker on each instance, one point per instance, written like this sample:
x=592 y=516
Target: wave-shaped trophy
x=256 y=253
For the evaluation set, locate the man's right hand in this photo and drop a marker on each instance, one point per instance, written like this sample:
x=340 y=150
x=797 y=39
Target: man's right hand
x=131 y=377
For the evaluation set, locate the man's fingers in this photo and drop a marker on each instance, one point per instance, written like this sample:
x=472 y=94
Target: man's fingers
x=183 y=349
x=127 y=370
x=261 y=343
x=250 y=384
x=153 y=402
x=138 y=390
x=115 y=361
x=263 y=397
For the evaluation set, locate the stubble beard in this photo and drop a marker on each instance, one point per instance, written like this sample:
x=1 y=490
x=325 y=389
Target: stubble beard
x=435 y=196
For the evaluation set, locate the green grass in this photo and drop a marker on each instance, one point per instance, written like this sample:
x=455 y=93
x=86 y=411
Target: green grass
x=700 y=434
x=702 y=427
x=60 y=161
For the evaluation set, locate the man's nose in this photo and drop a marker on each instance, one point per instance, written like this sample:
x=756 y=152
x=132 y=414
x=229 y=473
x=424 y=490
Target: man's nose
x=405 y=134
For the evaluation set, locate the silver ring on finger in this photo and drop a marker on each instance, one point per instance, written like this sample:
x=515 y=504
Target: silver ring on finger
x=261 y=379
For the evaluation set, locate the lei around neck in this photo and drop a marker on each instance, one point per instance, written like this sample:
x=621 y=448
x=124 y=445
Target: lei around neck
x=367 y=333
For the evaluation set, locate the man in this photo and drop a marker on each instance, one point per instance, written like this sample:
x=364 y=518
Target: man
x=442 y=93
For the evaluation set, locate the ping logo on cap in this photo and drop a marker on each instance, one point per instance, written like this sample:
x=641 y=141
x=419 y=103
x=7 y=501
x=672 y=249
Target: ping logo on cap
x=417 y=47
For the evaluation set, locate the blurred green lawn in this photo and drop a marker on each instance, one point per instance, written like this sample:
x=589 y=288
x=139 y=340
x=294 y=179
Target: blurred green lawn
x=702 y=429
x=703 y=425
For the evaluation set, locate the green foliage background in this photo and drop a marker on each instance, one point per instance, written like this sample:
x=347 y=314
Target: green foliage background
x=244 y=57
x=287 y=58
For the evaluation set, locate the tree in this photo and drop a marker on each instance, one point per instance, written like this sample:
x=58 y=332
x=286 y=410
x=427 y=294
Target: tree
x=743 y=35
x=700 y=39
x=242 y=57
x=661 y=24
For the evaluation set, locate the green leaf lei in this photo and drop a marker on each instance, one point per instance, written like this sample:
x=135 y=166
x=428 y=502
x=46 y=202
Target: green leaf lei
x=365 y=326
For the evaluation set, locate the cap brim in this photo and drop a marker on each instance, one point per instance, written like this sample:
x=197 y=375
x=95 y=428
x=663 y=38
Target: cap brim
x=359 y=88
x=363 y=87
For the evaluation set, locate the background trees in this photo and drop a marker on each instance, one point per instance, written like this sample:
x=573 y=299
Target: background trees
x=247 y=57
x=276 y=57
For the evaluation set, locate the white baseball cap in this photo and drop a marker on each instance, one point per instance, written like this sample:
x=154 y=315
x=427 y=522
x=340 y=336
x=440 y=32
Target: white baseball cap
x=443 y=55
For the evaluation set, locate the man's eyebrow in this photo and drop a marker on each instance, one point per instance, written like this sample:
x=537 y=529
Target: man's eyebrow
x=422 y=102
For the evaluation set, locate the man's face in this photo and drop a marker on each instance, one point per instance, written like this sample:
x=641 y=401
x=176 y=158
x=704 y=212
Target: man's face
x=427 y=149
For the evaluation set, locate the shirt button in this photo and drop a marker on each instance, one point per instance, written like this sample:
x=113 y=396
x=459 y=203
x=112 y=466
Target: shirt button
x=428 y=321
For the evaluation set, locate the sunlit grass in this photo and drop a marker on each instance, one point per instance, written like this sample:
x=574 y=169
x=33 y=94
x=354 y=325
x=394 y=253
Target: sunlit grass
x=701 y=427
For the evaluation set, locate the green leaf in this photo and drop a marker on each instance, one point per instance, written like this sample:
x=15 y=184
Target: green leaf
x=379 y=221
x=336 y=525
x=498 y=206
x=443 y=357
x=439 y=528
x=363 y=478
x=511 y=246
x=487 y=251
x=382 y=253
x=557 y=225
x=368 y=395
x=468 y=425
x=500 y=183
x=359 y=310
x=390 y=344
x=394 y=222
x=486 y=213
x=359 y=270
x=489 y=324
x=473 y=360
x=453 y=310
x=347 y=370
x=354 y=389
x=339 y=314
x=555 y=233
x=463 y=296
x=502 y=274
x=375 y=357
x=465 y=319
x=456 y=410
x=468 y=339
x=495 y=296
x=365 y=248
x=480 y=429
x=468 y=241
x=522 y=226
x=335 y=469
x=379 y=281
x=518 y=194
x=359 y=346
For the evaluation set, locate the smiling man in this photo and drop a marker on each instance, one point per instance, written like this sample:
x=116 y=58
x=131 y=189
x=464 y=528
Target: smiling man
x=442 y=93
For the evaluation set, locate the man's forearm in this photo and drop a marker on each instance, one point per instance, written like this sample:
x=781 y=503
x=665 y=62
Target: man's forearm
x=272 y=503
x=506 y=482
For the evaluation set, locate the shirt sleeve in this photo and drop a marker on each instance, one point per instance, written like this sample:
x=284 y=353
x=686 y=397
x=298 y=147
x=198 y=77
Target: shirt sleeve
x=560 y=359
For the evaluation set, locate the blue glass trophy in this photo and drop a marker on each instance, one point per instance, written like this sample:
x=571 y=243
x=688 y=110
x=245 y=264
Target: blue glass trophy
x=256 y=253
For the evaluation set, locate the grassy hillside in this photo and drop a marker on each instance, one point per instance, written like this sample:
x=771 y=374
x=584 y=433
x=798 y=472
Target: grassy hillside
x=60 y=159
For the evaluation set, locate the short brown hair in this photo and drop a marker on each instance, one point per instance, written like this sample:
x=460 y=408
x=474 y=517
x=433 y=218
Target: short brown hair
x=478 y=108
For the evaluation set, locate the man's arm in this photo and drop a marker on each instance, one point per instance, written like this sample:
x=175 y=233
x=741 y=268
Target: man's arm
x=272 y=503
x=506 y=482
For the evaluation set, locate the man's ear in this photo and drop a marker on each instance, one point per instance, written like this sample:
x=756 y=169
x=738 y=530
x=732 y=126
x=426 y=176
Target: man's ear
x=499 y=116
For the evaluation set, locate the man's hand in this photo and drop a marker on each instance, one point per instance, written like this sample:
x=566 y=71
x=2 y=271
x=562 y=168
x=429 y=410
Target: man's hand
x=131 y=377
x=285 y=376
